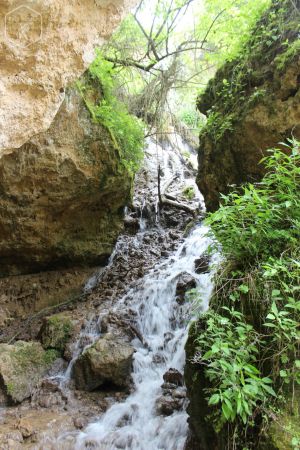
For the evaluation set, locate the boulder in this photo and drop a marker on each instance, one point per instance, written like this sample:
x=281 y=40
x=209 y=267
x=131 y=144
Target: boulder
x=22 y=366
x=56 y=331
x=173 y=376
x=166 y=405
x=185 y=282
x=202 y=264
x=173 y=398
x=109 y=360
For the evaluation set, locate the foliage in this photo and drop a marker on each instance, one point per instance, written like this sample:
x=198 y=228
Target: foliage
x=165 y=49
x=217 y=125
x=229 y=348
x=250 y=346
x=292 y=50
x=189 y=192
x=233 y=27
x=243 y=81
x=264 y=219
x=126 y=130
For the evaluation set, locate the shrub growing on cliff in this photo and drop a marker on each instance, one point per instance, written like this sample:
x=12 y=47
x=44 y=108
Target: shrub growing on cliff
x=126 y=130
x=249 y=343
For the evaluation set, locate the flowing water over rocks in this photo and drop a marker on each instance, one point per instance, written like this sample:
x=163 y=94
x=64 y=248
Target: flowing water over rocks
x=134 y=311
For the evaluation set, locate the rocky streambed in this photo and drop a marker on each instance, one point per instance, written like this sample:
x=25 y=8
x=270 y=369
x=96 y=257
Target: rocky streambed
x=106 y=369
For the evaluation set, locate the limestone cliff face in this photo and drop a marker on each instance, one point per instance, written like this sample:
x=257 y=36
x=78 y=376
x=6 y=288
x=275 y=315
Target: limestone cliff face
x=252 y=104
x=44 y=45
x=62 y=194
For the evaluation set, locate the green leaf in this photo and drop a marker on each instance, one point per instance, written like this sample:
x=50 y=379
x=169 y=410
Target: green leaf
x=283 y=373
x=270 y=316
x=270 y=390
x=275 y=293
x=274 y=308
x=243 y=288
x=214 y=399
x=226 y=411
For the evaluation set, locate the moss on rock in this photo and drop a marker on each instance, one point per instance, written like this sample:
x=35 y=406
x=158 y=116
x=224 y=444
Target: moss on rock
x=22 y=365
x=56 y=331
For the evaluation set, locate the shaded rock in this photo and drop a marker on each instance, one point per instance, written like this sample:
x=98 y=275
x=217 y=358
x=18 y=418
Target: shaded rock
x=25 y=427
x=202 y=264
x=179 y=392
x=132 y=224
x=22 y=366
x=49 y=394
x=185 y=283
x=173 y=376
x=109 y=360
x=56 y=331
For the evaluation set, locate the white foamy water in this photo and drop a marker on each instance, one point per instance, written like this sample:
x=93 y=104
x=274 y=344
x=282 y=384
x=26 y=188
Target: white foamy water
x=135 y=424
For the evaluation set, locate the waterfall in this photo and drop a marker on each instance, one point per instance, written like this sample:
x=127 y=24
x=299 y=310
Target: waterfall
x=135 y=424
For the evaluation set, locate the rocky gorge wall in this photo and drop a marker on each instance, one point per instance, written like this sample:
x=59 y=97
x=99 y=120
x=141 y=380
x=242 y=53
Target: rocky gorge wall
x=44 y=46
x=63 y=185
x=63 y=193
x=252 y=104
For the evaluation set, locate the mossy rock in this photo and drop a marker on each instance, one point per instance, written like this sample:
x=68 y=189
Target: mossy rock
x=284 y=432
x=22 y=366
x=107 y=361
x=56 y=332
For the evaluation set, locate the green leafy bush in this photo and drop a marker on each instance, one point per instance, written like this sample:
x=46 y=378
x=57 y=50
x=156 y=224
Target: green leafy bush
x=249 y=344
x=229 y=349
x=126 y=130
x=265 y=218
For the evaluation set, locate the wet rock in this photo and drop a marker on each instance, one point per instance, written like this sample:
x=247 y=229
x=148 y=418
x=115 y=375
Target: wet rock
x=25 y=427
x=185 y=283
x=56 y=331
x=158 y=358
x=173 y=376
x=202 y=264
x=179 y=392
x=131 y=224
x=15 y=436
x=49 y=394
x=80 y=422
x=166 y=405
x=109 y=360
x=168 y=386
x=174 y=394
x=22 y=366
x=168 y=337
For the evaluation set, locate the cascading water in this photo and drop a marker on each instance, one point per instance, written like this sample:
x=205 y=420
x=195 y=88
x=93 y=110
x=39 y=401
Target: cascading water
x=135 y=424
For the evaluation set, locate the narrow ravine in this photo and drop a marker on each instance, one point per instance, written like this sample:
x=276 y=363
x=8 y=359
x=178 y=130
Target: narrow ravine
x=139 y=422
x=169 y=246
